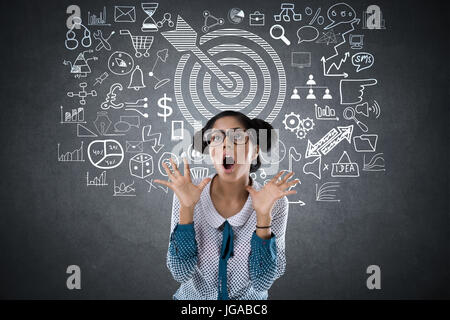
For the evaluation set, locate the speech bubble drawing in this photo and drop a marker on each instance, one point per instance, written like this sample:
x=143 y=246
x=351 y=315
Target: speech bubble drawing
x=307 y=34
x=362 y=60
x=340 y=13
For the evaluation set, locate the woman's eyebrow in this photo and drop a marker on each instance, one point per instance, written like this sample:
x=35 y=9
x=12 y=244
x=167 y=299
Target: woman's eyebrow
x=228 y=128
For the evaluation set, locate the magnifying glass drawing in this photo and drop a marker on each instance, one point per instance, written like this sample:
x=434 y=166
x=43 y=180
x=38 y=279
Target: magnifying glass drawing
x=281 y=36
x=349 y=114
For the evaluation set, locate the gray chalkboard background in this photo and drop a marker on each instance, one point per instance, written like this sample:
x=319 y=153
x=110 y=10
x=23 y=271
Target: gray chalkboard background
x=397 y=219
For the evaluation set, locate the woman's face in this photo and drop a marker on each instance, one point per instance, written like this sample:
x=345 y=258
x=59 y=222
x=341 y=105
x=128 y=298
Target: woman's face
x=232 y=161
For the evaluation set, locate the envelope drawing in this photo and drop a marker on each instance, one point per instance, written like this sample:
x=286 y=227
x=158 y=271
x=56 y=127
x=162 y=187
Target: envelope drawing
x=124 y=14
x=256 y=19
x=134 y=146
x=365 y=142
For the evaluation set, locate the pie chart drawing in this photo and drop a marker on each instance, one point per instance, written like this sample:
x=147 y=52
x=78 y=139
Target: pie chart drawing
x=236 y=15
x=105 y=154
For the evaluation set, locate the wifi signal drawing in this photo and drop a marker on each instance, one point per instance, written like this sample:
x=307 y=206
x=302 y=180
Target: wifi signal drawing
x=367 y=110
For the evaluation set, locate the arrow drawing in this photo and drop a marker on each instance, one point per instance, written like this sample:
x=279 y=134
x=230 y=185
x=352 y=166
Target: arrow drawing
x=337 y=66
x=326 y=72
x=155 y=137
x=329 y=141
x=184 y=38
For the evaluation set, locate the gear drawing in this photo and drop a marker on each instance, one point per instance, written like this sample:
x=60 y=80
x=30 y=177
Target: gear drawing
x=308 y=124
x=292 y=122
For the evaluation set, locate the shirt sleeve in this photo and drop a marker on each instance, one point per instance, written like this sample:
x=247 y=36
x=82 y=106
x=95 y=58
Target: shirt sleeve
x=182 y=252
x=267 y=261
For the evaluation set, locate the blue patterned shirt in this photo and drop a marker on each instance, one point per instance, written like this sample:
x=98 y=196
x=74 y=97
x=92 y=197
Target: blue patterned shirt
x=194 y=252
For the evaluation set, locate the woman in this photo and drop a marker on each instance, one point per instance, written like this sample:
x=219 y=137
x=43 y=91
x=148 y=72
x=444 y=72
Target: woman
x=228 y=231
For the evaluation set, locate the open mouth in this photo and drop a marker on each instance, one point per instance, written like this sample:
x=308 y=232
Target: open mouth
x=228 y=163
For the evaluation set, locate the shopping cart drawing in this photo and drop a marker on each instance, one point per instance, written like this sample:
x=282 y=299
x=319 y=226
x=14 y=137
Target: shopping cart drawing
x=139 y=43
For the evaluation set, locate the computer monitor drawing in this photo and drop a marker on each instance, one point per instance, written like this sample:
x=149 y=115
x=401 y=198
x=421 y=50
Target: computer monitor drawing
x=356 y=41
x=301 y=59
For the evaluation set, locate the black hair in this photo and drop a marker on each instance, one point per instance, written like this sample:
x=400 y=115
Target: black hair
x=256 y=124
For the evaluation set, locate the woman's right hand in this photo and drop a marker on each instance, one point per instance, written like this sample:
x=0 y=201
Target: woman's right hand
x=188 y=194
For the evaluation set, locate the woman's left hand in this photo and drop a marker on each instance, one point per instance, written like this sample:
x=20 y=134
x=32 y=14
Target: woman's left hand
x=264 y=199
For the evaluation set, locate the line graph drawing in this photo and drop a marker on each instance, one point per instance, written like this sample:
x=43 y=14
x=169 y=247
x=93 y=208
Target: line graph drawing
x=71 y=156
x=376 y=163
x=99 y=181
x=327 y=192
x=124 y=190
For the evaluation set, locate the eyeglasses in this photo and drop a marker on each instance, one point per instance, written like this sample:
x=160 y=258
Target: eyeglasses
x=216 y=137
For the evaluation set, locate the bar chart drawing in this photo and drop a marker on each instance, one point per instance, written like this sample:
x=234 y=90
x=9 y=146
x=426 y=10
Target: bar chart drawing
x=98 y=20
x=325 y=113
x=74 y=116
x=99 y=181
x=71 y=156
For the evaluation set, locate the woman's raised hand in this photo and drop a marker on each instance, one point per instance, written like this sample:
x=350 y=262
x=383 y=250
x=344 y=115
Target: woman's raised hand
x=188 y=194
x=275 y=189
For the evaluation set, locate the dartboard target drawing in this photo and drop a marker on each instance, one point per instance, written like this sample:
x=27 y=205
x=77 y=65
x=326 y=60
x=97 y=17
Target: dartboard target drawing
x=229 y=69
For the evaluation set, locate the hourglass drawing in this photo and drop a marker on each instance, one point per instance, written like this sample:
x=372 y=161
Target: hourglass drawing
x=149 y=24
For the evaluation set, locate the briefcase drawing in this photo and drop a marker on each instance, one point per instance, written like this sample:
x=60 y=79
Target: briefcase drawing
x=124 y=14
x=256 y=19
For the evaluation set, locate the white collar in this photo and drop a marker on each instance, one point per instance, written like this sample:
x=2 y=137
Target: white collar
x=213 y=216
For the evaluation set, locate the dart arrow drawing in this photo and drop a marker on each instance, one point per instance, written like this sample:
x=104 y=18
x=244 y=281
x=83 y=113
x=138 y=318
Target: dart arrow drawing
x=184 y=38
x=329 y=141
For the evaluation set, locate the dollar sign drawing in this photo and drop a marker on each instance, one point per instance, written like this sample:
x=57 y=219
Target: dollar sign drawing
x=75 y=12
x=162 y=103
